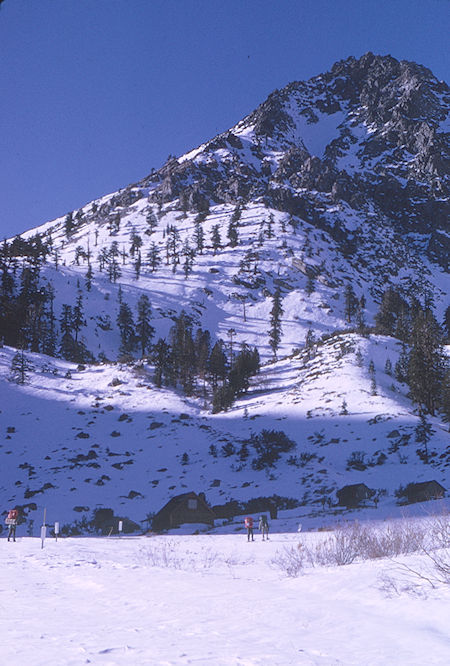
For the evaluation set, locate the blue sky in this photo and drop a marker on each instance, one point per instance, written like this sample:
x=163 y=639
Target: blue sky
x=94 y=93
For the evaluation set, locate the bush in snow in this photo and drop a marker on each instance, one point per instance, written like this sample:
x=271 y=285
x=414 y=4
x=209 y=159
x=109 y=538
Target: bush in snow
x=269 y=445
x=168 y=554
x=354 y=541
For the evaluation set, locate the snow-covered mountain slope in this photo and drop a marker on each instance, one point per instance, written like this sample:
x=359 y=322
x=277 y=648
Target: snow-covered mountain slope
x=76 y=439
x=334 y=182
x=340 y=179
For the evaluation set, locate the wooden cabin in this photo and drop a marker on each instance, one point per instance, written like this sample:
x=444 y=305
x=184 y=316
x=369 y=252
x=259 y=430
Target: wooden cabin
x=426 y=490
x=351 y=496
x=185 y=508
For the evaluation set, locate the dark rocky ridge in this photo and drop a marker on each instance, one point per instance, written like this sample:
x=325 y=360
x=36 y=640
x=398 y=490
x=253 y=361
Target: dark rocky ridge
x=391 y=130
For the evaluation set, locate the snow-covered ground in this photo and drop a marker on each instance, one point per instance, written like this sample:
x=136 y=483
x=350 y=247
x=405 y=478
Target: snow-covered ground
x=213 y=600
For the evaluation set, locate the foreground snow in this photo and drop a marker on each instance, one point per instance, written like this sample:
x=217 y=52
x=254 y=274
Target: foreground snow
x=209 y=600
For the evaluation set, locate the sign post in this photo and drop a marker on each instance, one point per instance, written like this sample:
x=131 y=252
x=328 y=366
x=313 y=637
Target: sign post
x=120 y=527
x=43 y=529
x=56 y=531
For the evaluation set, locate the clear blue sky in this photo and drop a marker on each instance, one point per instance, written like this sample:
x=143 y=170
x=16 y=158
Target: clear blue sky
x=94 y=93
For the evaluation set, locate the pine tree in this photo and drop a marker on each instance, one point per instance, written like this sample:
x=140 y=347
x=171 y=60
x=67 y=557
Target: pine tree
x=160 y=358
x=236 y=216
x=360 y=318
x=79 y=254
x=217 y=363
x=359 y=358
x=246 y=364
x=351 y=302
x=153 y=257
x=392 y=307
x=231 y=333
x=310 y=341
x=137 y=264
x=202 y=343
x=215 y=238
x=144 y=329
x=183 y=351
x=426 y=363
x=127 y=329
x=199 y=234
x=78 y=320
x=114 y=271
x=172 y=246
x=445 y=395
x=49 y=335
x=275 y=322
x=188 y=254
x=152 y=223
x=67 y=343
x=89 y=276
x=423 y=434
x=20 y=367
x=232 y=233
x=8 y=322
x=68 y=224
x=446 y=324
x=222 y=398
x=135 y=243
x=102 y=258
x=401 y=367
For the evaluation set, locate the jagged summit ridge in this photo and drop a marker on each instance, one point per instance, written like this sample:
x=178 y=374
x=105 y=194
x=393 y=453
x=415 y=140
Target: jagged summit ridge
x=370 y=131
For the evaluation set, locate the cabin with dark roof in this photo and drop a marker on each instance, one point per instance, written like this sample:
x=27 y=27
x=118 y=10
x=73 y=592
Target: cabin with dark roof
x=352 y=496
x=185 y=508
x=424 y=491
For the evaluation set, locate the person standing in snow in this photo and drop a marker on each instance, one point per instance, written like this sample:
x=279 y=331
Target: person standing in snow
x=248 y=522
x=264 y=527
x=11 y=521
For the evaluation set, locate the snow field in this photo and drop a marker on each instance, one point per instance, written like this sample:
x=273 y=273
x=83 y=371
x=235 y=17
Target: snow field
x=208 y=600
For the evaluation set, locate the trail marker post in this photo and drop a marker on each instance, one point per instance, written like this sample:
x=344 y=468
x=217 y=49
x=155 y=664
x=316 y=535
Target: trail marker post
x=43 y=529
x=56 y=531
x=120 y=527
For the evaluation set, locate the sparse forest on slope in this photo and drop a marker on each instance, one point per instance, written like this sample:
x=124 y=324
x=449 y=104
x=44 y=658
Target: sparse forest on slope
x=321 y=216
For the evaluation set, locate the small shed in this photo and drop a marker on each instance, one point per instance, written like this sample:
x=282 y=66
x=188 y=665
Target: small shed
x=107 y=523
x=426 y=490
x=353 y=495
x=185 y=508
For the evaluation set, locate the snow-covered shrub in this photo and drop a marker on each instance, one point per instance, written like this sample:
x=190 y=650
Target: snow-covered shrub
x=433 y=569
x=340 y=548
x=357 y=461
x=291 y=560
x=168 y=554
x=354 y=541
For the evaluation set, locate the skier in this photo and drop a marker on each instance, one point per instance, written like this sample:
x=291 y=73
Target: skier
x=248 y=522
x=264 y=527
x=11 y=521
